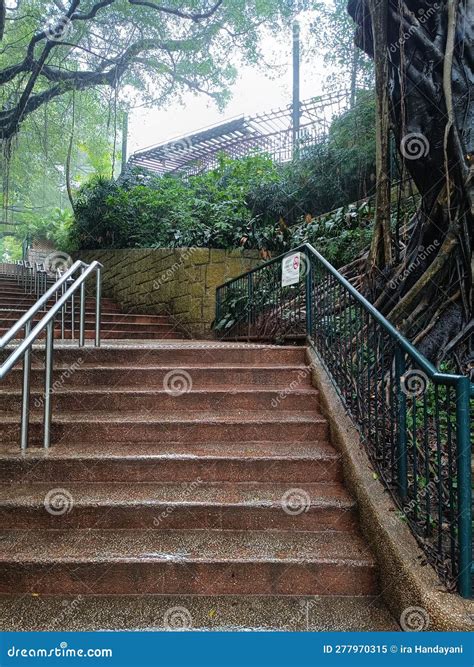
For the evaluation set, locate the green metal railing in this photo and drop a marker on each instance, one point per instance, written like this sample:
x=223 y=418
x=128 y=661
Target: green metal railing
x=414 y=419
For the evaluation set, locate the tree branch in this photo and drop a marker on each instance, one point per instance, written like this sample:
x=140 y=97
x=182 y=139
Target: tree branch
x=178 y=12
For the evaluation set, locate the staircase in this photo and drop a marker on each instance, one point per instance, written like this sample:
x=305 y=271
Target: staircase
x=115 y=324
x=188 y=484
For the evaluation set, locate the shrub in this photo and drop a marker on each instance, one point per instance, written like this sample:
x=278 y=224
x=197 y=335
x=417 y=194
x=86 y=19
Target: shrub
x=249 y=202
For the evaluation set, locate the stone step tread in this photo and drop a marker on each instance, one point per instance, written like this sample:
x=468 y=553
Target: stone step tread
x=201 y=613
x=107 y=333
x=177 y=344
x=130 y=326
x=234 y=451
x=82 y=546
x=251 y=494
x=214 y=391
x=173 y=366
x=14 y=312
x=181 y=417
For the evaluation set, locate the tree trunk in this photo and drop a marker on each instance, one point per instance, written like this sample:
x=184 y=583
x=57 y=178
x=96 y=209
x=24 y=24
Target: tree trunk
x=428 y=294
x=380 y=254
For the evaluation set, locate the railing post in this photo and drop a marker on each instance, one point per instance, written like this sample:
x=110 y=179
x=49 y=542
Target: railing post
x=250 y=300
x=309 y=297
x=25 y=393
x=218 y=305
x=402 y=453
x=98 y=293
x=463 y=455
x=82 y=314
x=63 y=313
x=48 y=377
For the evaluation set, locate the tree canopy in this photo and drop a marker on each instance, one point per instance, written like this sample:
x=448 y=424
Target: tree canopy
x=146 y=48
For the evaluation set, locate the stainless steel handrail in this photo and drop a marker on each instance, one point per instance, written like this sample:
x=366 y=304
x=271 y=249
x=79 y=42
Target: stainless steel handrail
x=23 y=350
x=42 y=302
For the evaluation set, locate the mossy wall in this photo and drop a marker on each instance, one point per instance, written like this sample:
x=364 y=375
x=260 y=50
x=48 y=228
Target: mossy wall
x=181 y=282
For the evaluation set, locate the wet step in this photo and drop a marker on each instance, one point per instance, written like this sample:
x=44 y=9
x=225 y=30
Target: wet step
x=107 y=316
x=172 y=427
x=195 y=504
x=199 y=613
x=106 y=324
x=116 y=331
x=183 y=354
x=289 y=462
x=208 y=562
x=146 y=398
x=199 y=376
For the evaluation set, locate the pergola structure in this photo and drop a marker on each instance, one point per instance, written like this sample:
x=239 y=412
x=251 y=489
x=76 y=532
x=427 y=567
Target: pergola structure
x=269 y=132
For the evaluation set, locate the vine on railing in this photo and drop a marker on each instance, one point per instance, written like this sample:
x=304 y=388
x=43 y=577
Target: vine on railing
x=413 y=419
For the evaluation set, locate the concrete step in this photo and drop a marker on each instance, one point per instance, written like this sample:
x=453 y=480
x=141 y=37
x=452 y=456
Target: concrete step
x=182 y=354
x=150 y=375
x=19 y=299
x=290 y=462
x=234 y=426
x=106 y=324
x=170 y=562
x=185 y=505
x=107 y=316
x=199 y=613
x=85 y=399
x=114 y=333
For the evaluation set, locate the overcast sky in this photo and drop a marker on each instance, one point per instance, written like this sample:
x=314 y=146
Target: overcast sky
x=253 y=91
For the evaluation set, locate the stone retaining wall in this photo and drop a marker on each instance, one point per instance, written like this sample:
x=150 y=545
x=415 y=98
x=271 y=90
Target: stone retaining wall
x=181 y=282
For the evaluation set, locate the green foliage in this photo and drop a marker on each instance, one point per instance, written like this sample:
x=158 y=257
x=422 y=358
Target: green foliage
x=113 y=56
x=206 y=210
x=250 y=202
x=10 y=249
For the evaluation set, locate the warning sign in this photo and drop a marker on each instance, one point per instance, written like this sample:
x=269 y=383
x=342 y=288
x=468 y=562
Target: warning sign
x=290 y=269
